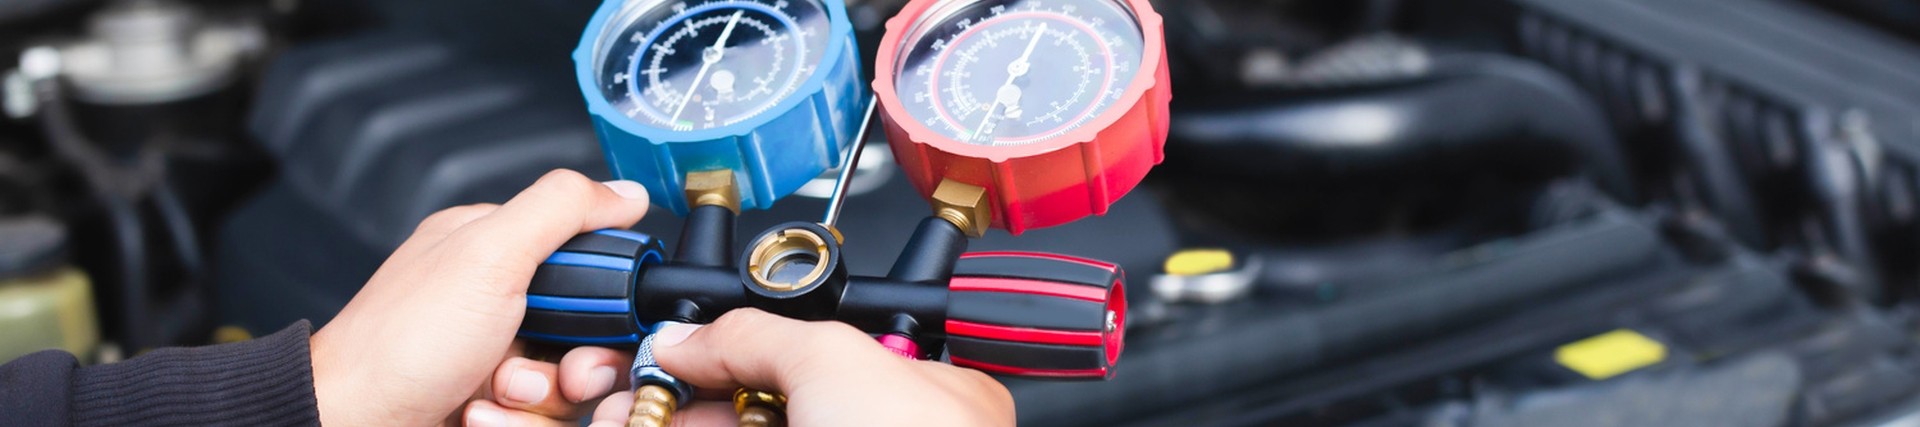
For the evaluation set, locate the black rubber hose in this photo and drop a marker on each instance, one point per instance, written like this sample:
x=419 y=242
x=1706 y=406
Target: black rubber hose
x=179 y=224
x=1472 y=107
x=119 y=192
x=1352 y=267
x=1324 y=271
x=122 y=216
x=1229 y=357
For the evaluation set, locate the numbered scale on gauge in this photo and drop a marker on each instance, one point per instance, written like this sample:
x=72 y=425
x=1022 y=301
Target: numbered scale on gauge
x=1057 y=107
x=712 y=64
x=765 y=88
x=1016 y=74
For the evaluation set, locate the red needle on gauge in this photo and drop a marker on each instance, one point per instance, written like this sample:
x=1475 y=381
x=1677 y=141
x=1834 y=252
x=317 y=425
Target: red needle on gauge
x=709 y=57
x=1008 y=94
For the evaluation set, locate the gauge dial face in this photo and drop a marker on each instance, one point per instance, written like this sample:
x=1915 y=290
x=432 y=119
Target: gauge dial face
x=694 y=65
x=1016 y=72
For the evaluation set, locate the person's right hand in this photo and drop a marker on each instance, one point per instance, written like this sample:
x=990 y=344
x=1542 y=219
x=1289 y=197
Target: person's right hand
x=831 y=373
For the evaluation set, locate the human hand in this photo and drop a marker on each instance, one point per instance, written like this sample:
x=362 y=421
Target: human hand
x=526 y=392
x=831 y=373
x=440 y=315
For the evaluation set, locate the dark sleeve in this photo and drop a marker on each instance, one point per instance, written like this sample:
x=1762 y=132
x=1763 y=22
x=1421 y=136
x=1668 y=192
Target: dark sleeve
x=265 y=381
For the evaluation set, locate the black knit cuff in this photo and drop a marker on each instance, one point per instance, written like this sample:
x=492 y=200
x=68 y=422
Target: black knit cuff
x=264 y=381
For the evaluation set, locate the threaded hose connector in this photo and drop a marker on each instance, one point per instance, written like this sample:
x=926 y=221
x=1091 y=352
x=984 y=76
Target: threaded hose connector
x=656 y=393
x=653 y=406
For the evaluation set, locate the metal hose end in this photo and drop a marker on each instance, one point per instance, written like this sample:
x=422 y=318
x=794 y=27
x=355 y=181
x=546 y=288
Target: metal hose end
x=653 y=406
x=760 y=408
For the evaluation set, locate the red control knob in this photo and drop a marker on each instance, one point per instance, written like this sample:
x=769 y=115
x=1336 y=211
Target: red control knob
x=1036 y=315
x=1057 y=107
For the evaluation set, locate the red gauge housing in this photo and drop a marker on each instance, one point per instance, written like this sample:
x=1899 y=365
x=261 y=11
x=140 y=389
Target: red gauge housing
x=1045 y=183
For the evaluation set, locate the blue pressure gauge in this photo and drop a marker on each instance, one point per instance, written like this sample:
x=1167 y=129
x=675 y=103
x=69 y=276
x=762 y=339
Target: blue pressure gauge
x=769 y=89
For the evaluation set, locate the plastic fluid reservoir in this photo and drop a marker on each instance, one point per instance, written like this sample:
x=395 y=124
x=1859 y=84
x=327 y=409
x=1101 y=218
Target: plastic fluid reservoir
x=44 y=303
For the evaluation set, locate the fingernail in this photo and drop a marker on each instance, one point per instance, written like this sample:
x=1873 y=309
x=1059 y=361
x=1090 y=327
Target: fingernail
x=527 y=386
x=628 y=189
x=605 y=424
x=600 y=382
x=485 y=416
x=673 y=334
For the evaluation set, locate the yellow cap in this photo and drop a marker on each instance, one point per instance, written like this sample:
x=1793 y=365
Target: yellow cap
x=1194 y=262
x=1610 y=354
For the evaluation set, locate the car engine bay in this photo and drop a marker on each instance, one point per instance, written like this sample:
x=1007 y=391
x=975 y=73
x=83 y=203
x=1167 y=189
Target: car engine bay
x=1379 y=212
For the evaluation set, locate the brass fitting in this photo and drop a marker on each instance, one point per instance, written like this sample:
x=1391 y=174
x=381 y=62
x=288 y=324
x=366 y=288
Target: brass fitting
x=760 y=408
x=964 y=205
x=837 y=237
x=795 y=245
x=713 y=188
x=652 y=407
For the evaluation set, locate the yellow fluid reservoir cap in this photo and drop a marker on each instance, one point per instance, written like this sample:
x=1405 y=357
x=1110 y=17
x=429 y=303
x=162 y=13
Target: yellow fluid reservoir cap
x=1195 y=262
x=1610 y=354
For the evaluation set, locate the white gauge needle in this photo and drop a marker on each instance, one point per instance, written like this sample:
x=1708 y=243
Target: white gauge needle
x=1009 y=94
x=708 y=57
x=1019 y=66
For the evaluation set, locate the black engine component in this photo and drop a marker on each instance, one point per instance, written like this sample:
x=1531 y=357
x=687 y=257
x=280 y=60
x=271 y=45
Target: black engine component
x=1791 y=141
x=374 y=132
x=1244 y=346
x=1473 y=115
x=1899 y=16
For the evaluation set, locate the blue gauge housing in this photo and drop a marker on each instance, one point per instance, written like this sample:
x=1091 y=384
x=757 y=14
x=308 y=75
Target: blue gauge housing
x=771 y=153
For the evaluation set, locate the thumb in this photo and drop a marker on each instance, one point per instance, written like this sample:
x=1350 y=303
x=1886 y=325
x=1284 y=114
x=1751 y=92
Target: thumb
x=514 y=238
x=753 y=349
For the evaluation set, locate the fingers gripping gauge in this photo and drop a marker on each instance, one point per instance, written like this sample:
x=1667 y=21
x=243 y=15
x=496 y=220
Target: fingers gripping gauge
x=1057 y=107
x=767 y=89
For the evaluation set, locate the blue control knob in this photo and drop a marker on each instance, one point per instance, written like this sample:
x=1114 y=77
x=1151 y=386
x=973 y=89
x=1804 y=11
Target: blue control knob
x=769 y=89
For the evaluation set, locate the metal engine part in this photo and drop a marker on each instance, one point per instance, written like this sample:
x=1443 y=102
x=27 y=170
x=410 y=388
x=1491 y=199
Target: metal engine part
x=156 y=51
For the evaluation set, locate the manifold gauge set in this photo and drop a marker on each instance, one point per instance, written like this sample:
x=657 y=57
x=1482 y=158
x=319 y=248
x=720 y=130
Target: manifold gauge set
x=1008 y=114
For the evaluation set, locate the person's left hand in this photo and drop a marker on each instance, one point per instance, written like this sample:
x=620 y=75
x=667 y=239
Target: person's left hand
x=430 y=328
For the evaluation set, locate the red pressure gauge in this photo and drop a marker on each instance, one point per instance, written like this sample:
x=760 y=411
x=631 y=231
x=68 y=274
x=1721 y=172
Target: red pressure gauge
x=1057 y=107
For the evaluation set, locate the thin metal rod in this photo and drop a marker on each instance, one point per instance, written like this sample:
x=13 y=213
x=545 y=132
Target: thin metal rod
x=847 y=165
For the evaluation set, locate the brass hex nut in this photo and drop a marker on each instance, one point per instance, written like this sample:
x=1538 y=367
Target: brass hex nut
x=759 y=408
x=964 y=205
x=713 y=187
x=746 y=398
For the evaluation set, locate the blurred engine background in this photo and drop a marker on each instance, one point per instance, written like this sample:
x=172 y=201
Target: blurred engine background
x=1373 y=212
